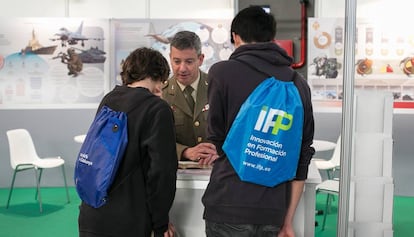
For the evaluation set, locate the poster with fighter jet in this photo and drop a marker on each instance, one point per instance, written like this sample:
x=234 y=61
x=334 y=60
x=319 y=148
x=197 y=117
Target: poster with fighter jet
x=53 y=62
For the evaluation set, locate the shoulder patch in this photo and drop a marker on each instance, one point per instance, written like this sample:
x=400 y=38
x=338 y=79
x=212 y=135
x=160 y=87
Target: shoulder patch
x=165 y=84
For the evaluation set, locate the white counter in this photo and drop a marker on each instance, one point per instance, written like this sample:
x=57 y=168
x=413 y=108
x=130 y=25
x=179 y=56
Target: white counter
x=187 y=210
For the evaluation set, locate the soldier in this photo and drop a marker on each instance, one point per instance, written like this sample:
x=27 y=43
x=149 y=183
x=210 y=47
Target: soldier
x=72 y=60
x=186 y=92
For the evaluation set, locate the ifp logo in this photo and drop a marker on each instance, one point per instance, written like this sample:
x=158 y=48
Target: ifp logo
x=275 y=118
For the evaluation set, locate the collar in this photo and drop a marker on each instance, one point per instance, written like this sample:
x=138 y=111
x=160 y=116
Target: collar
x=194 y=85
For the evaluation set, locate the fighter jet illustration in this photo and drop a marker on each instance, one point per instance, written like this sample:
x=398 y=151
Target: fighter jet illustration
x=72 y=37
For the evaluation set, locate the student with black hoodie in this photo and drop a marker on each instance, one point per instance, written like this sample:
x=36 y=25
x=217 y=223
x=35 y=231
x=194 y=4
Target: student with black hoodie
x=143 y=191
x=234 y=207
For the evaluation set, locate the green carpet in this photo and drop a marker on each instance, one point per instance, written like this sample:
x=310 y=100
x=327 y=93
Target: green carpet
x=403 y=218
x=59 y=218
x=23 y=219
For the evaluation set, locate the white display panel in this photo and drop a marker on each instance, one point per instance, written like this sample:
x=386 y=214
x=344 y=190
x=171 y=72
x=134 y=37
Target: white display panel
x=129 y=34
x=34 y=71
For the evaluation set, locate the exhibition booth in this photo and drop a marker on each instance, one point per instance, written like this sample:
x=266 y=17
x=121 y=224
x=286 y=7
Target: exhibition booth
x=359 y=68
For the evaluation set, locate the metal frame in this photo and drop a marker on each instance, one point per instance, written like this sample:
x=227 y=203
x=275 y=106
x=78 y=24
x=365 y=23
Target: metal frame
x=38 y=177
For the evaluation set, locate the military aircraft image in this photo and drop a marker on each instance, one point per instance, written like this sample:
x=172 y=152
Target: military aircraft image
x=72 y=37
x=92 y=55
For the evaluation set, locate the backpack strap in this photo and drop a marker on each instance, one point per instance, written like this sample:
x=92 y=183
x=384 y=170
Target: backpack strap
x=136 y=106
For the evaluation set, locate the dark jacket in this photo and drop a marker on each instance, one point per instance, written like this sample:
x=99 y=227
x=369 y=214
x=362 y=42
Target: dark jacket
x=228 y=199
x=191 y=129
x=144 y=188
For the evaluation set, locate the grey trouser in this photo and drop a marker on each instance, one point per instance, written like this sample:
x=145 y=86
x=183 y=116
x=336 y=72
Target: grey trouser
x=240 y=230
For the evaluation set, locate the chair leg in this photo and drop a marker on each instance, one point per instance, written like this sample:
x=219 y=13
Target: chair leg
x=38 y=188
x=331 y=175
x=331 y=199
x=66 y=184
x=326 y=211
x=38 y=181
x=11 y=188
x=328 y=173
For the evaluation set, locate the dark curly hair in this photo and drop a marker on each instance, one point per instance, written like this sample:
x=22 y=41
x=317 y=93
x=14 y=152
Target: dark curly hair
x=142 y=63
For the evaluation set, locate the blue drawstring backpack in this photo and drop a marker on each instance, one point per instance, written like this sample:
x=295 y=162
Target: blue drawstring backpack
x=100 y=156
x=265 y=139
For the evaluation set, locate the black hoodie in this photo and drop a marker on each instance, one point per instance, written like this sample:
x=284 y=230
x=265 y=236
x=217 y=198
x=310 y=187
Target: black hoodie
x=144 y=188
x=228 y=199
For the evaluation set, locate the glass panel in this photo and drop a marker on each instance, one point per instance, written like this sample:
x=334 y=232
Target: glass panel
x=383 y=69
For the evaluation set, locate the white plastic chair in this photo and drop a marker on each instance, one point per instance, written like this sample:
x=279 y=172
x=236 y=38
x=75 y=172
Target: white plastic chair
x=329 y=187
x=331 y=165
x=23 y=156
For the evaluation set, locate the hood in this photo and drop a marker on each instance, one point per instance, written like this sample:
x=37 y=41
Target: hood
x=269 y=52
x=266 y=56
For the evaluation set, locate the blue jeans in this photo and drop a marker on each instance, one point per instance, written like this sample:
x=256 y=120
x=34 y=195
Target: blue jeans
x=240 y=230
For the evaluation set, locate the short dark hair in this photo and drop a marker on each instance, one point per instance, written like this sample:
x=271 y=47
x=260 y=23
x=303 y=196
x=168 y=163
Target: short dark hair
x=186 y=40
x=254 y=24
x=142 y=63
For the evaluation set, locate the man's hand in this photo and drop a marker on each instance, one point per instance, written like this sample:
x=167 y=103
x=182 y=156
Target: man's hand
x=203 y=153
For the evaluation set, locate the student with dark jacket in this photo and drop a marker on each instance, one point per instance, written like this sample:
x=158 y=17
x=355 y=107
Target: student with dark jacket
x=144 y=188
x=234 y=207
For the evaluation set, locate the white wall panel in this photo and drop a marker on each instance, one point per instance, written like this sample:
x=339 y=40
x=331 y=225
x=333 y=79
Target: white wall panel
x=200 y=9
x=191 y=9
x=365 y=8
x=25 y=8
x=108 y=8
